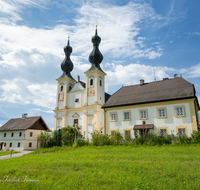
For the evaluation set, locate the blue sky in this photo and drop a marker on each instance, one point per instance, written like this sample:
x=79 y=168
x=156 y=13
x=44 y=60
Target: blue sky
x=137 y=36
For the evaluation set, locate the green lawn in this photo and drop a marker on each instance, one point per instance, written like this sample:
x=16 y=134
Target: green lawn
x=108 y=167
x=3 y=153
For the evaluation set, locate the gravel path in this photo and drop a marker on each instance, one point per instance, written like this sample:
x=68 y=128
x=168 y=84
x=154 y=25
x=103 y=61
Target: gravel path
x=14 y=155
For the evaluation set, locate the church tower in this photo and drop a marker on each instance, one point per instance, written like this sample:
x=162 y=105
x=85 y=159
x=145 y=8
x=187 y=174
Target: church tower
x=95 y=87
x=64 y=84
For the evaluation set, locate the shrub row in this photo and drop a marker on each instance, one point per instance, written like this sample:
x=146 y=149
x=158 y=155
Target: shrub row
x=69 y=136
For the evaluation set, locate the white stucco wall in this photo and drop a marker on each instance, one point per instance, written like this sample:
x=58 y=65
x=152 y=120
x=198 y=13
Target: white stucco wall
x=171 y=122
x=14 y=140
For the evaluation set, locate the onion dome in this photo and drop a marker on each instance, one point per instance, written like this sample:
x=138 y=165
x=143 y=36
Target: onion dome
x=95 y=57
x=67 y=65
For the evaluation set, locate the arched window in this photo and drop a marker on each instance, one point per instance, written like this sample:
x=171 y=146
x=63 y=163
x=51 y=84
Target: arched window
x=61 y=88
x=100 y=82
x=70 y=87
x=91 y=82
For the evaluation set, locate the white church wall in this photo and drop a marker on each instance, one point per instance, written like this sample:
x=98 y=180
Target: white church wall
x=100 y=94
x=77 y=96
x=69 y=101
x=60 y=104
x=77 y=87
x=82 y=98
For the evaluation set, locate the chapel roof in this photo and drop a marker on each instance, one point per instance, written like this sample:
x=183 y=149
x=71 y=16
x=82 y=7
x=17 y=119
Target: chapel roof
x=164 y=90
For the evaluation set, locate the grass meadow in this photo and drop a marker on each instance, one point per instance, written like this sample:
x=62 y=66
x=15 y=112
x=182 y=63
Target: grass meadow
x=108 y=167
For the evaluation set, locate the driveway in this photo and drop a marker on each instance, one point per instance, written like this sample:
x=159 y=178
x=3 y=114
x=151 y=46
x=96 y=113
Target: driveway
x=14 y=155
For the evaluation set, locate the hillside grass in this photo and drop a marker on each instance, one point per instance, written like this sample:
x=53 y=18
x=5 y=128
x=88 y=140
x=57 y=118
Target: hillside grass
x=3 y=153
x=107 y=167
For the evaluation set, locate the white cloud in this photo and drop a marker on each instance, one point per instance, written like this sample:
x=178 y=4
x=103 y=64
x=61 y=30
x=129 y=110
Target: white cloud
x=37 y=112
x=131 y=74
x=193 y=71
x=171 y=42
x=21 y=91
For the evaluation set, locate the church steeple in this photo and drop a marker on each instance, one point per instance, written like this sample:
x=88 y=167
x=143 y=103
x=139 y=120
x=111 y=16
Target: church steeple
x=67 y=65
x=95 y=57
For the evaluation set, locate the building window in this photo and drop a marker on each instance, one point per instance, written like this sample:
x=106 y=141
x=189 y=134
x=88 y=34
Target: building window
x=179 y=111
x=100 y=82
x=91 y=82
x=4 y=135
x=163 y=132
x=10 y=144
x=143 y=114
x=161 y=113
x=31 y=134
x=18 y=145
x=30 y=145
x=127 y=115
x=127 y=134
x=112 y=132
x=113 y=116
x=20 y=134
x=12 y=134
x=181 y=131
x=4 y=144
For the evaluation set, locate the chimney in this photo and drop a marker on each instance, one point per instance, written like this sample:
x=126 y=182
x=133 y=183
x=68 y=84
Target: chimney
x=78 y=78
x=24 y=116
x=141 y=82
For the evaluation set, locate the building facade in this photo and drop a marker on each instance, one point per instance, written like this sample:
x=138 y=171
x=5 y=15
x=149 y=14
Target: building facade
x=164 y=107
x=20 y=134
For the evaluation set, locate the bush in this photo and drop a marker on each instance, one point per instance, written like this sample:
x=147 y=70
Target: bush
x=195 y=136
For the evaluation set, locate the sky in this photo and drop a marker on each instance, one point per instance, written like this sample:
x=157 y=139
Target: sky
x=140 y=39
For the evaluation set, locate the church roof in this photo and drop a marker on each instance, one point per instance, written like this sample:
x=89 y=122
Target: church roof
x=164 y=90
x=24 y=123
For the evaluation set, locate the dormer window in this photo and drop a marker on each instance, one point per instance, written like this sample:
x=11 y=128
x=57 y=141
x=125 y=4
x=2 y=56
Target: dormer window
x=91 y=82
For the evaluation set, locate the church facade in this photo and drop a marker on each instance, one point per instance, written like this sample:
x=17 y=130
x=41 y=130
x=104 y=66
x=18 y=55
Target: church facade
x=78 y=103
x=169 y=106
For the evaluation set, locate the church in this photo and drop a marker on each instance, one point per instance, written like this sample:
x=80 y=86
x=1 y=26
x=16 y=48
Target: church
x=169 y=106
x=80 y=103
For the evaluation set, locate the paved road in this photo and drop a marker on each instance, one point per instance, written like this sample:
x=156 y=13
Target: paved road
x=14 y=155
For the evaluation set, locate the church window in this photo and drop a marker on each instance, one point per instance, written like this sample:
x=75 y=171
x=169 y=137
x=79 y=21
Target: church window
x=18 y=145
x=76 y=100
x=61 y=88
x=90 y=121
x=75 y=121
x=91 y=82
x=70 y=86
x=31 y=134
x=4 y=135
x=100 y=82
x=12 y=134
x=10 y=144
